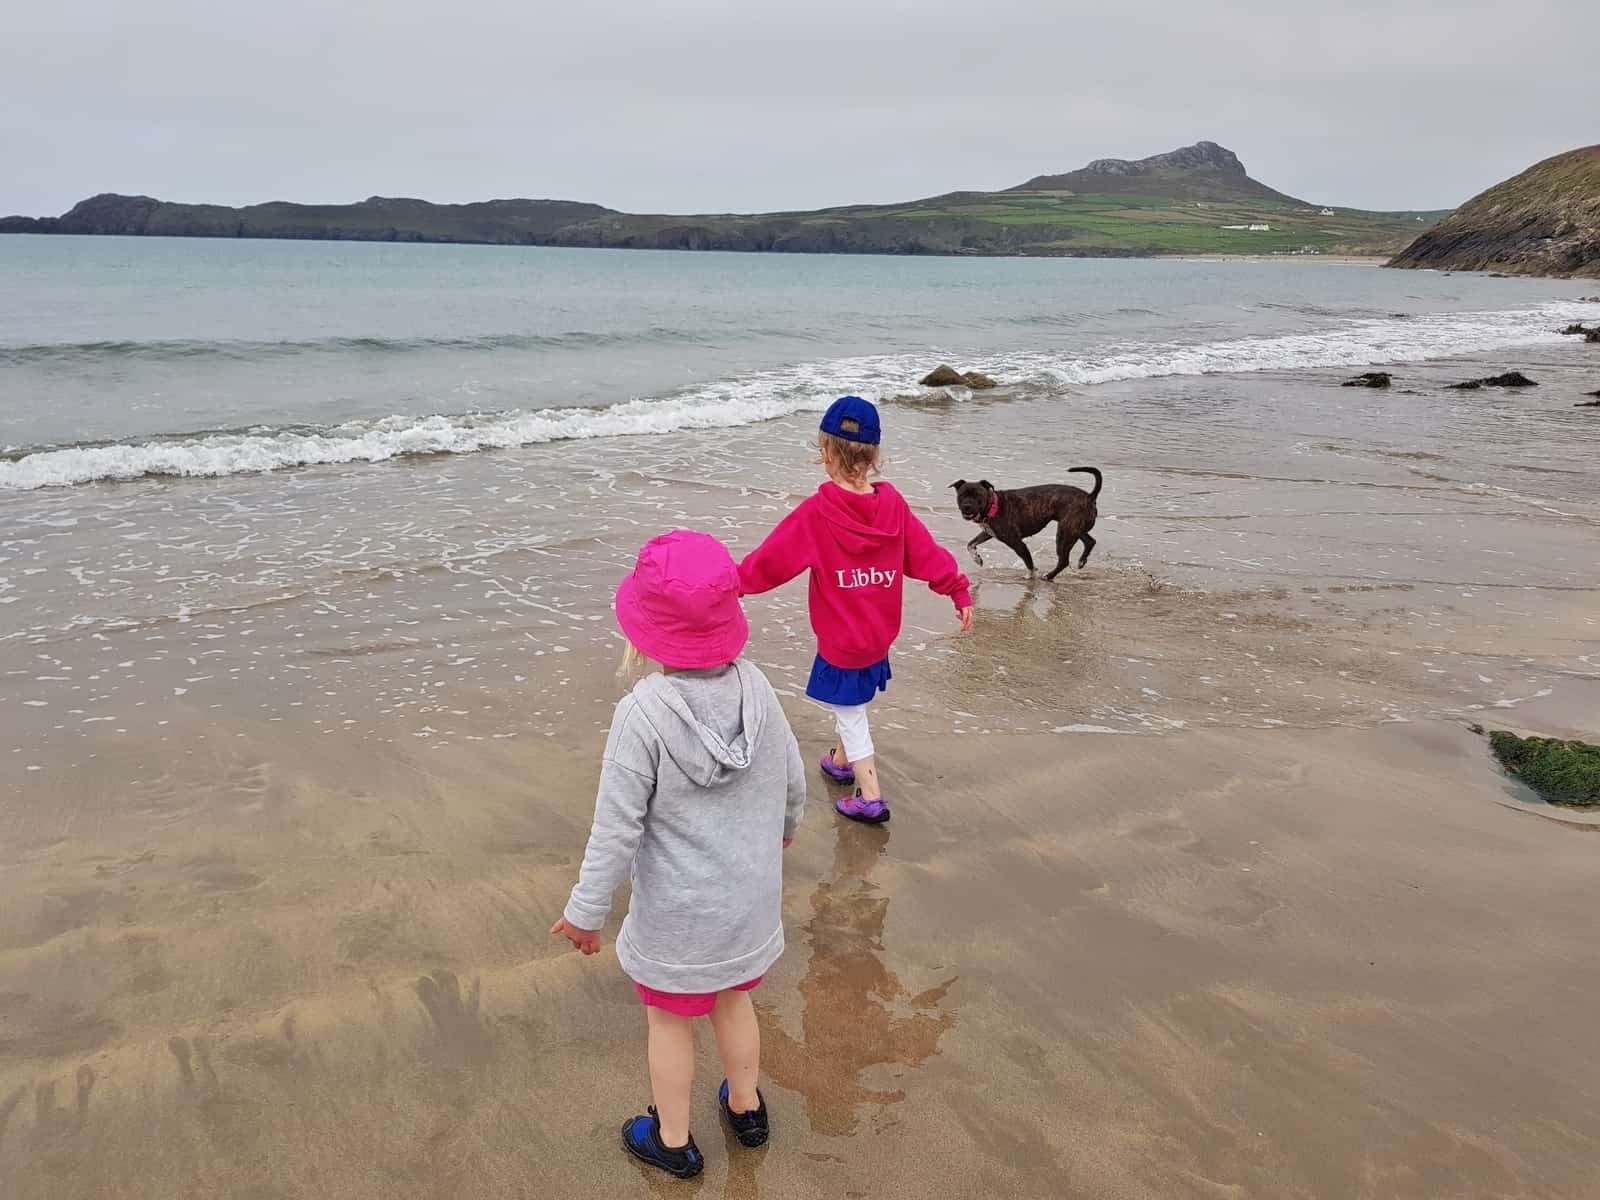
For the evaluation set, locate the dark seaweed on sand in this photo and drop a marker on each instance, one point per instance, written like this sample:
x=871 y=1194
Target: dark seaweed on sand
x=1561 y=772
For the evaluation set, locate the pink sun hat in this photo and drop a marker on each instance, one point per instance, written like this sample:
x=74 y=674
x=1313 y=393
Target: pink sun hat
x=681 y=604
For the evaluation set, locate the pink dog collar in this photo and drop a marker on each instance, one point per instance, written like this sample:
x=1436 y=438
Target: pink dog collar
x=994 y=507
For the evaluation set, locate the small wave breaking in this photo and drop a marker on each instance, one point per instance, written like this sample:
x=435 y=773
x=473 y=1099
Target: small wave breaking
x=764 y=396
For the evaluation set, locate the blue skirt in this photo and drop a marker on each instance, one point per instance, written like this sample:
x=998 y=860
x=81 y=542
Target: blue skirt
x=846 y=686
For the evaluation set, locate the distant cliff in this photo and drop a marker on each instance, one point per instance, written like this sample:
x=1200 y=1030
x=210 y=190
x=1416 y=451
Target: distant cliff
x=1545 y=221
x=378 y=219
x=1194 y=200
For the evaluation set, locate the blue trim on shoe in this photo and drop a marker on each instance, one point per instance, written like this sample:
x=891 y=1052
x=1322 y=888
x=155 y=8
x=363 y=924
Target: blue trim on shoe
x=749 y=1127
x=641 y=1137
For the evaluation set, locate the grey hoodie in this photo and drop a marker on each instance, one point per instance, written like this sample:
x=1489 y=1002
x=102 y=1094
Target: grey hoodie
x=700 y=784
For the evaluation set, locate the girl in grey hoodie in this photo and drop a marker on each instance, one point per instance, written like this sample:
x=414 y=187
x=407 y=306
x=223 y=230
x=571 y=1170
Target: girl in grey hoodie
x=701 y=788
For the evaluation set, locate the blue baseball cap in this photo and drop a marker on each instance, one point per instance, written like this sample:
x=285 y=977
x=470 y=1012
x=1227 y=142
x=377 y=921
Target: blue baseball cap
x=853 y=419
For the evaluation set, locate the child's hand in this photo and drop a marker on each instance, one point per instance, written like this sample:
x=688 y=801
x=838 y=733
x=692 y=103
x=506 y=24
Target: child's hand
x=587 y=940
x=787 y=842
x=966 y=619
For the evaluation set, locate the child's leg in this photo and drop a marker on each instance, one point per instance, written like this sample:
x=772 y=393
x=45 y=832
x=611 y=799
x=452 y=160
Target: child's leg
x=671 y=1073
x=739 y=1043
x=855 y=748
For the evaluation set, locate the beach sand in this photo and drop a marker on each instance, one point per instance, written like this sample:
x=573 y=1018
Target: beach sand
x=1198 y=885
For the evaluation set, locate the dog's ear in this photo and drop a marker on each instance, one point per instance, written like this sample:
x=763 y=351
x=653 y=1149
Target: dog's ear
x=959 y=484
x=987 y=484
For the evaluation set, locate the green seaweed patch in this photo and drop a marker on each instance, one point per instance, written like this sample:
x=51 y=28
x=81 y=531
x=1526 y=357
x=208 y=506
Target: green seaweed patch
x=1561 y=772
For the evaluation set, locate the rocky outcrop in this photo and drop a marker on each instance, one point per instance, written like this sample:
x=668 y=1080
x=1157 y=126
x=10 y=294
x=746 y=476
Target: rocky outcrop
x=1370 y=379
x=945 y=375
x=1545 y=221
x=27 y=225
x=1203 y=171
x=1561 y=771
x=1511 y=379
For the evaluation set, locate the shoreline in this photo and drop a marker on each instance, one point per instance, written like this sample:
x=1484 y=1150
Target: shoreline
x=1091 y=253
x=1346 y=260
x=1192 y=852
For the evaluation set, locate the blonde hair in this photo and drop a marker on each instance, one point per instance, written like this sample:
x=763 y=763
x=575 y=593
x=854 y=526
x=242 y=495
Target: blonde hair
x=635 y=665
x=854 y=460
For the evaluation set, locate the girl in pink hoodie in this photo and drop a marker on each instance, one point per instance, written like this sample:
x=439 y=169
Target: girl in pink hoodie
x=860 y=540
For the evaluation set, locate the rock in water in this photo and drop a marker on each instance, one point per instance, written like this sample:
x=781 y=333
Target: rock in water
x=977 y=380
x=1511 y=379
x=1592 y=336
x=942 y=376
x=1371 y=379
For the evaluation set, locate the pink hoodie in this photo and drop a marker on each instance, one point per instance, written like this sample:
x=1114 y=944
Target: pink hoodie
x=859 y=550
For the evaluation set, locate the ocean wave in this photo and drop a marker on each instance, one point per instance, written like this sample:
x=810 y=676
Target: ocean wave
x=1365 y=342
x=763 y=396
x=256 y=451
x=250 y=350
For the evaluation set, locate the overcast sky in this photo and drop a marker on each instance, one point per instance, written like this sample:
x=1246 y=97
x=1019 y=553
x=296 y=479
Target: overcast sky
x=717 y=105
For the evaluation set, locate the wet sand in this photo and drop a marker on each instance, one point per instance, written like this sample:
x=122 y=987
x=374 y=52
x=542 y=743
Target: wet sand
x=1198 y=884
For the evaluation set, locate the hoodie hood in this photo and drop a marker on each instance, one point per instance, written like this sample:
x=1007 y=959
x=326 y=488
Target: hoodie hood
x=860 y=525
x=707 y=720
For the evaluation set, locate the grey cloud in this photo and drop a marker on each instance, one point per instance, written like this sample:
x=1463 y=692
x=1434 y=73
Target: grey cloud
x=708 y=105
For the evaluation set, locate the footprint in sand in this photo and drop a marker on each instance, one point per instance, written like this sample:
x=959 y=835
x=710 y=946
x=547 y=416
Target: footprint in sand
x=229 y=1118
x=856 y=1013
x=457 y=1024
x=7 y=1107
x=55 y=1127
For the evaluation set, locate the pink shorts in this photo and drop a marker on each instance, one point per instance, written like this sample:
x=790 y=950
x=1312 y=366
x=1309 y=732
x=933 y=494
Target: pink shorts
x=687 y=1004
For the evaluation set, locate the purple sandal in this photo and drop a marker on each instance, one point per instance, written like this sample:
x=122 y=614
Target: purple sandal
x=843 y=776
x=868 y=812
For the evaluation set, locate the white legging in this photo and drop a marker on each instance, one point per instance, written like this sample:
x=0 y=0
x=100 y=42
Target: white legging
x=851 y=722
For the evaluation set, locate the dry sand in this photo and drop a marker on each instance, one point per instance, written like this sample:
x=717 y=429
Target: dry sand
x=1198 y=883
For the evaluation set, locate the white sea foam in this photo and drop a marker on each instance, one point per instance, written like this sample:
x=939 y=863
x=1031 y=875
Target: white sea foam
x=1364 y=342
x=762 y=396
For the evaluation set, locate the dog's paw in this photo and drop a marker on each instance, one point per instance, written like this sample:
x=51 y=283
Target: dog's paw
x=977 y=558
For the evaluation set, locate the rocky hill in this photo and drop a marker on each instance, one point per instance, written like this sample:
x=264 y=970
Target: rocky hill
x=1195 y=200
x=1203 y=171
x=1545 y=221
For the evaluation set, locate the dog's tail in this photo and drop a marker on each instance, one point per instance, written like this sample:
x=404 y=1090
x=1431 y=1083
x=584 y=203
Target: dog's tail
x=1097 y=480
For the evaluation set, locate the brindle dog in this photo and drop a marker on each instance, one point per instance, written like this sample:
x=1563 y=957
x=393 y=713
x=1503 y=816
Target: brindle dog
x=1012 y=516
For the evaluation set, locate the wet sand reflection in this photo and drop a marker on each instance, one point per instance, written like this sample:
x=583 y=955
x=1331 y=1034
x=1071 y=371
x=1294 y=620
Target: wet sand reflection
x=856 y=1013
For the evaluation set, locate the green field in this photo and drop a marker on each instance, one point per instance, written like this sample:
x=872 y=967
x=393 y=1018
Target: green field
x=1065 y=222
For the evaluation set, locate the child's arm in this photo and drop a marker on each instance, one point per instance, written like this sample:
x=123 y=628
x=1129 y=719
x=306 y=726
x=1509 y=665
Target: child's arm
x=794 y=810
x=785 y=553
x=627 y=782
x=931 y=562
